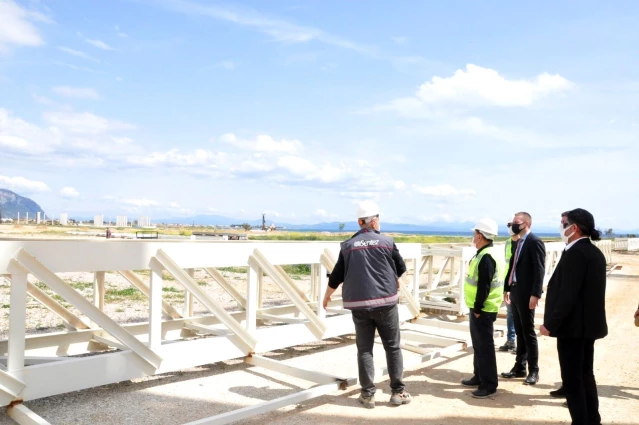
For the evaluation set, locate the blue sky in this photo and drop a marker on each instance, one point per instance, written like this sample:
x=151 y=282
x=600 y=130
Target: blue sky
x=440 y=111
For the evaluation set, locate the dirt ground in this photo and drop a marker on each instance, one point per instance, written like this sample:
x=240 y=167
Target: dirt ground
x=438 y=398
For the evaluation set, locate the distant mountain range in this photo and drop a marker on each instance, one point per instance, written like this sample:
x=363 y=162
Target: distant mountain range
x=218 y=220
x=12 y=204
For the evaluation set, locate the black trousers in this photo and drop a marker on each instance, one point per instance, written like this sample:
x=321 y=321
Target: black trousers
x=386 y=321
x=575 y=359
x=484 y=361
x=527 y=348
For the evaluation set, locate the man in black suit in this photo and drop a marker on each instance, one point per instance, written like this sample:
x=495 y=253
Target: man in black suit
x=522 y=289
x=576 y=312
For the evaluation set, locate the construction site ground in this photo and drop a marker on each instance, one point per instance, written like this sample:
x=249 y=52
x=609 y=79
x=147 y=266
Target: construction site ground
x=197 y=393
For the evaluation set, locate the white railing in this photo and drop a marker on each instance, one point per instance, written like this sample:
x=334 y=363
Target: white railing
x=606 y=247
x=629 y=244
x=446 y=265
x=159 y=346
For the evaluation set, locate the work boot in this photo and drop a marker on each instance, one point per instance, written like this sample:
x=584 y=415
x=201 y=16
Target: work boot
x=508 y=346
x=368 y=402
x=400 y=398
x=483 y=393
x=472 y=382
x=560 y=393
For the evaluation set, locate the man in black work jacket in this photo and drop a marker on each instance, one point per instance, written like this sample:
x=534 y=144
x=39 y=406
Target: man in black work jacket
x=523 y=287
x=370 y=265
x=576 y=312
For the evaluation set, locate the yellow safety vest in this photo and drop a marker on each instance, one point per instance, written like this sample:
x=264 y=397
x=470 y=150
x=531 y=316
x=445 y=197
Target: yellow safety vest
x=509 y=253
x=493 y=302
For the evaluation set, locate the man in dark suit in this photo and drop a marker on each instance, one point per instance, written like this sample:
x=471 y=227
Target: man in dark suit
x=576 y=313
x=522 y=289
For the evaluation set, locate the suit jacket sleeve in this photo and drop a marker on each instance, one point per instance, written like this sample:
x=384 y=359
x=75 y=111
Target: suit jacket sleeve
x=538 y=268
x=569 y=287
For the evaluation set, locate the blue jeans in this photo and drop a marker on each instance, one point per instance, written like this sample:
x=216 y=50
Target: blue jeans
x=510 y=324
x=386 y=321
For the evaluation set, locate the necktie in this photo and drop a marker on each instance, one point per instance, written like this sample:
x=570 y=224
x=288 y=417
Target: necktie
x=512 y=274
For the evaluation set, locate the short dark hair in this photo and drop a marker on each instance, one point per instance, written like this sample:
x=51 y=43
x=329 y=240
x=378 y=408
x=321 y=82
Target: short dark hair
x=585 y=221
x=528 y=217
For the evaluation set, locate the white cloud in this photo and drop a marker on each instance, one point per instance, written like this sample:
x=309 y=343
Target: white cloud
x=262 y=143
x=43 y=100
x=69 y=192
x=122 y=141
x=76 y=92
x=279 y=30
x=99 y=44
x=140 y=202
x=400 y=40
x=444 y=192
x=174 y=205
x=84 y=122
x=119 y=32
x=321 y=213
x=477 y=86
x=177 y=159
x=226 y=64
x=441 y=98
x=17 y=27
x=23 y=184
x=77 y=68
x=78 y=53
x=399 y=185
x=21 y=137
x=68 y=139
x=446 y=218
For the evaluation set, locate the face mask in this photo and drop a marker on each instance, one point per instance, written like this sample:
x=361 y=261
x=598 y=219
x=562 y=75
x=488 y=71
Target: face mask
x=562 y=232
x=510 y=231
x=516 y=228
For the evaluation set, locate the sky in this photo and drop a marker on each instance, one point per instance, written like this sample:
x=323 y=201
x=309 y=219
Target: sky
x=440 y=111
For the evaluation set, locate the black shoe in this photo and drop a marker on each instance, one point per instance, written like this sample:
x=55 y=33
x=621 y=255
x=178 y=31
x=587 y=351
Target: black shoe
x=508 y=346
x=514 y=373
x=472 y=382
x=532 y=378
x=483 y=393
x=564 y=404
x=560 y=393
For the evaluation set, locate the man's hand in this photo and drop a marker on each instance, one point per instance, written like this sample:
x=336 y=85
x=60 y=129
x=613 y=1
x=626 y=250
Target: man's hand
x=544 y=331
x=533 y=302
x=327 y=299
x=637 y=312
x=507 y=297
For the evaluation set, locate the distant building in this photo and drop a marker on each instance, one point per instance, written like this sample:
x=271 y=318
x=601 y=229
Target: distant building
x=144 y=221
x=121 y=221
x=98 y=221
x=64 y=219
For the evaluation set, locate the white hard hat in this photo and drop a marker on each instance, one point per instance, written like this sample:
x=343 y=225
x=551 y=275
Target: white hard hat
x=487 y=227
x=367 y=209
